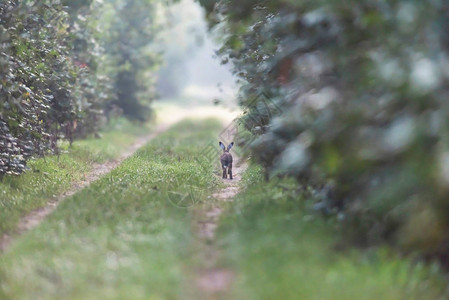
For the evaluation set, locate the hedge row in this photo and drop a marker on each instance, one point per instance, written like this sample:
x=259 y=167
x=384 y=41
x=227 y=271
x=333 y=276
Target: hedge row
x=351 y=98
x=65 y=66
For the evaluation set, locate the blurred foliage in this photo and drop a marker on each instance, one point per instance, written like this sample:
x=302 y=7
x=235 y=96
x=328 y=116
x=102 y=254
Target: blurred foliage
x=128 y=28
x=53 y=80
x=350 y=98
x=37 y=105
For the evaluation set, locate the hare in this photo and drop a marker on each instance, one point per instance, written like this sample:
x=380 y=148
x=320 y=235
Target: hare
x=226 y=160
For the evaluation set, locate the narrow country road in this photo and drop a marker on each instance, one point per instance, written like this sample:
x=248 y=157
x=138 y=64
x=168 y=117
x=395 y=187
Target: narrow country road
x=166 y=119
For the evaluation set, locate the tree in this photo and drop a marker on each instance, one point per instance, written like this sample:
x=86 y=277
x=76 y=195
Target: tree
x=54 y=79
x=129 y=28
x=363 y=118
x=36 y=74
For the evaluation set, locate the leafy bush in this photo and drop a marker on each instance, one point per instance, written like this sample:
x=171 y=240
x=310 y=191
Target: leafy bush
x=129 y=27
x=36 y=101
x=53 y=80
x=361 y=90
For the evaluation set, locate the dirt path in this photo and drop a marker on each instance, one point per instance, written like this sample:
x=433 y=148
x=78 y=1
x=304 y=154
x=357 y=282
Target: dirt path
x=34 y=218
x=213 y=281
x=167 y=118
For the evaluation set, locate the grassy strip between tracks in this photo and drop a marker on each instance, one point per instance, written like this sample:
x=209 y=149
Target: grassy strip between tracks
x=283 y=251
x=126 y=236
x=53 y=175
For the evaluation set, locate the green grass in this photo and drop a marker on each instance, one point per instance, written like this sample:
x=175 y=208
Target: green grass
x=120 y=238
x=129 y=236
x=283 y=251
x=55 y=174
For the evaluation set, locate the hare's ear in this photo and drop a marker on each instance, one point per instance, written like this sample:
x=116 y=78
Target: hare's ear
x=230 y=146
x=222 y=145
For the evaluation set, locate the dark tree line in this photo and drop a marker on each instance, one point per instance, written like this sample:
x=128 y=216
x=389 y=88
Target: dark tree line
x=359 y=96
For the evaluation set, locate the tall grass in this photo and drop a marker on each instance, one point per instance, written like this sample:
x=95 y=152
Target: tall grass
x=53 y=175
x=281 y=250
x=123 y=237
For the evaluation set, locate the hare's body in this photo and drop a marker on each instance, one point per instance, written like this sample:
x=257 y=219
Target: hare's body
x=226 y=160
x=226 y=165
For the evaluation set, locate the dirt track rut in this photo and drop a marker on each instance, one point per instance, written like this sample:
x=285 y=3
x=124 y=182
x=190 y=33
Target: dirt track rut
x=33 y=219
x=213 y=281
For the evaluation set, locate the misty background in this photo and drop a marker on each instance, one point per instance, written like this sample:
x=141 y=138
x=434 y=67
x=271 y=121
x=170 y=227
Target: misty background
x=191 y=71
